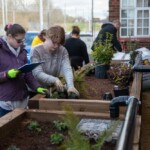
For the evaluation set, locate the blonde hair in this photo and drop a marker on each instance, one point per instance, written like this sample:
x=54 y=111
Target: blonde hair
x=56 y=34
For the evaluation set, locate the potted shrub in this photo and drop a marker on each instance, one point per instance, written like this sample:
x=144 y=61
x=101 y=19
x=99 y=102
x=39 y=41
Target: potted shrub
x=102 y=55
x=120 y=75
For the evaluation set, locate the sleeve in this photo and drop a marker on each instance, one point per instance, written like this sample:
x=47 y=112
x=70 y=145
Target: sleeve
x=38 y=72
x=116 y=43
x=67 y=70
x=85 y=53
x=29 y=78
x=96 y=40
x=3 y=76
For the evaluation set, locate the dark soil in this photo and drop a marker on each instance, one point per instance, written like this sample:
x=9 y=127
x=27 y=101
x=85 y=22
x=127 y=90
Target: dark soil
x=25 y=139
x=96 y=88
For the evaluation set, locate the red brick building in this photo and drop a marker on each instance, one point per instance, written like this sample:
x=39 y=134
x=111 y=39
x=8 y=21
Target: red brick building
x=134 y=16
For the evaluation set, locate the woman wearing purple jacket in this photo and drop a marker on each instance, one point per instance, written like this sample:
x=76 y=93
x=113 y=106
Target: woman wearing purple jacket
x=13 y=83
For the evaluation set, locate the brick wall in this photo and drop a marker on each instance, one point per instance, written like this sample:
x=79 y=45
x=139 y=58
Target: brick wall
x=114 y=9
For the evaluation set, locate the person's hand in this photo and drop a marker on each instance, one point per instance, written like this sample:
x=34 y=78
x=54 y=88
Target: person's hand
x=59 y=85
x=73 y=90
x=12 y=73
x=41 y=90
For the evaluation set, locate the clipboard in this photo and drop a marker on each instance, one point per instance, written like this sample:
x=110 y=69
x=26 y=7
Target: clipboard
x=29 y=67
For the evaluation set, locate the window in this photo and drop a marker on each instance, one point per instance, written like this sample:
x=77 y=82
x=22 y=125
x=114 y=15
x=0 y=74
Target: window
x=135 y=18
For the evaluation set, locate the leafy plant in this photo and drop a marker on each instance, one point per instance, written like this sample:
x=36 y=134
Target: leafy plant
x=79 y=78
x=103 y=51
x=60 y=125
x=132 y=44
x=76 y=141
x=56 y=138
x=13 y=147
x=120 y=74
x=34 y=126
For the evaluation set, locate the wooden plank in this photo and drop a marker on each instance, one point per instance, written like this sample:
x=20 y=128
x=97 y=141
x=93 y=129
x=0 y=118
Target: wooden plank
x=137 y=130
x=135 y=147
x=136 y=85
x=9 y=123
x=34 y=101
x=50 y=115
x=77 y=105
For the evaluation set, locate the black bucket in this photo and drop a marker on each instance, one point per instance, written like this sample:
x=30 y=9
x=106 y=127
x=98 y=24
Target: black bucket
x=101 y=71
x=121 y=92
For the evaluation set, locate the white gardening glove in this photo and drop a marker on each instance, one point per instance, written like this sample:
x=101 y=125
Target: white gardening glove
x=73 y=90
x=59 y=85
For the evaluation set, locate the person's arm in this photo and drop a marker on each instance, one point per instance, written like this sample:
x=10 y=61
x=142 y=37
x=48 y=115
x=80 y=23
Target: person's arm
x=68 y=74
x=116 y=43
x=85 y=53
x=67 y=70
x=96 y=40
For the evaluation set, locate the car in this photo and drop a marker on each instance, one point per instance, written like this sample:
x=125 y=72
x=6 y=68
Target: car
x=28 y=41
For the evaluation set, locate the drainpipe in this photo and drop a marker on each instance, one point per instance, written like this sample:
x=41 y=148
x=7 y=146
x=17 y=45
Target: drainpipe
x=115 y=103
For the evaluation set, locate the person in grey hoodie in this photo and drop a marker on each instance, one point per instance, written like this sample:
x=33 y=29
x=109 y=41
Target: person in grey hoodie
x=13 y=84
x=110 y=27
x=56 y=61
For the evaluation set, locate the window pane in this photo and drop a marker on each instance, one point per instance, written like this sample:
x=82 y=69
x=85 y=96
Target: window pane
x=123 y=31
x=124 y=23
x=131 y=23
x=145 y=31
x=145 y=3
x=139 y=31
x=130 y=2
x=146 y=23
x=131 y=14
x=124 y=14
x=139 y=23
x=146 y=13
x=139 y=3
x=130 y=31
x=124 y=3
x=139 y=13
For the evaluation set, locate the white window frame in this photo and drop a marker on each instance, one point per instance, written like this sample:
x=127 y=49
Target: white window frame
x=136 y=9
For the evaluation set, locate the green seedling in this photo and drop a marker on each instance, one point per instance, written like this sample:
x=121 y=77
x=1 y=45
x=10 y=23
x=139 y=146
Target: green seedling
x=13 y=147
x=34 y=126
x=60 y=125
x=56 y=138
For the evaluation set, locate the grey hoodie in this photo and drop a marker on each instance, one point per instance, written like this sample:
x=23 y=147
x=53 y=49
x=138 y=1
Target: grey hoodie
x=55 y=62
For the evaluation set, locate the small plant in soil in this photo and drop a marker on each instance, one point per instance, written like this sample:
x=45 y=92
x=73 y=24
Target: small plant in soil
x=120 y=74
x=61 y=126
x=76 y=140
x=13 y=147
x=56 y=138
x=34 y=126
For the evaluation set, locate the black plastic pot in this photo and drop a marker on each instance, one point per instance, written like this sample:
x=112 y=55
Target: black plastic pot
x=121 y=92
x=101 y=71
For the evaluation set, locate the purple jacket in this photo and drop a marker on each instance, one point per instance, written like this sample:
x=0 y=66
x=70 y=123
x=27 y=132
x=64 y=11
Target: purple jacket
x=14 y=89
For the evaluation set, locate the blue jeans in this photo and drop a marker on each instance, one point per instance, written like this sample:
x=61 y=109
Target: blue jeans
x=3 y=112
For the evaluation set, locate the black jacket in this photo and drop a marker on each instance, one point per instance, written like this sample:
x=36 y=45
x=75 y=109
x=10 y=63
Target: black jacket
x=108 y=27
x=77 y=52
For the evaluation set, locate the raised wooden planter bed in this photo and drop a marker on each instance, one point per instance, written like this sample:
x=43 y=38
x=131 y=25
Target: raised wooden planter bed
x=10 y=124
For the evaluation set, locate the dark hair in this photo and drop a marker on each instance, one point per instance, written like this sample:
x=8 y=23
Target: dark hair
x=56 y=34
x=14 y=29
x=43 y=32
x=75 y=30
